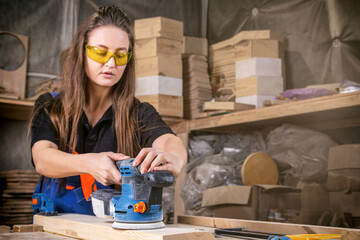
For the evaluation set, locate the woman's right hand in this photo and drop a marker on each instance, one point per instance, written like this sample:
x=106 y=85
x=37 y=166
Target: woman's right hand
x=103 y=168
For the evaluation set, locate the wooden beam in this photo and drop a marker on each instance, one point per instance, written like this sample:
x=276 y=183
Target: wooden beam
x=274 y=227
x=91 y=227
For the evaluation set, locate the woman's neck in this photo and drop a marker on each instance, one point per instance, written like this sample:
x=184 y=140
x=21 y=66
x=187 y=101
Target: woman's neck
x=99 y=100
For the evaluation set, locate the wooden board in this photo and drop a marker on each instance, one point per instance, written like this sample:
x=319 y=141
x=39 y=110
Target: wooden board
x=160 y=65
x=33 y=236
x=152 y=47
x=230 y=106
x=158 y=27
x=195 y=45
x=259 y=168
x=91 y=227
x=259 y=85
x=166 y=105
x=281 y=228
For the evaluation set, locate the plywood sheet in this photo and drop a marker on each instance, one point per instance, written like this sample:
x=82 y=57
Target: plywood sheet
x=91 y=227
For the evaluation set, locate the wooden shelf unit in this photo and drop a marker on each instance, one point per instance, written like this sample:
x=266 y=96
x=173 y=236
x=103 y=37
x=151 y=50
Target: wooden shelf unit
x=15 y=109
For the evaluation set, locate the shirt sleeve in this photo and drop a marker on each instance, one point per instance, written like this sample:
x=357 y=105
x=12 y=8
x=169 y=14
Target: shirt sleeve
x=151 y=125
x=41 y=127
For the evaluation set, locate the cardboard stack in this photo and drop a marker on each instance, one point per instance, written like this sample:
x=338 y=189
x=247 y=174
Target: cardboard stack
x=344 y=179
x=158 y=64
x=235 y=64
x=197 y=88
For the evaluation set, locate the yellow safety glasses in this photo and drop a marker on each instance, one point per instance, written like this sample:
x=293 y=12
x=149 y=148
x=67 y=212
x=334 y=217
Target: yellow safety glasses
x=103 y=56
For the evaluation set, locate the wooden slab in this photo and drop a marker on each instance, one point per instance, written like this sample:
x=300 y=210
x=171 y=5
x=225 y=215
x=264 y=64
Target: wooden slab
x=259 y=168
x=165 y=105
x=160 y=65
x=195 y=45
x=257 y=100
x=158 y=27
x=257 y=48
x=230 y=106
x=259 y=85
x=152 y=47
x=91 y=227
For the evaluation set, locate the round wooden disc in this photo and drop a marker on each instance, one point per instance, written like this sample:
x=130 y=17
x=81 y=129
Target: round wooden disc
x=259 y=168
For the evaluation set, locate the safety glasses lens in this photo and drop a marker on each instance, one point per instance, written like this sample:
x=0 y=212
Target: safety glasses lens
x=103 y=56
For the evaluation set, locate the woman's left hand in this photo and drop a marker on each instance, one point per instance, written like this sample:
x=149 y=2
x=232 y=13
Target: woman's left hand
x=167 y=154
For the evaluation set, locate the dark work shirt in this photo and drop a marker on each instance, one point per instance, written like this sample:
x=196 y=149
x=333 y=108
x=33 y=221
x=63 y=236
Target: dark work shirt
x=100 y=138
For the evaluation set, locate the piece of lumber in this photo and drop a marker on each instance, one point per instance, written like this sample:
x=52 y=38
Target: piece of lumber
x=230 y=106
x=281 y=228
x=4 y=229
x=152 y=47
x=92 y=227
x=195 y=45
x=165 y=105
x=256 y=34
x=160 y=65
x=28 y=228
x=259 y=85
x=158 y=27
x=33 y=236
x=257 y=100
x=257 y=48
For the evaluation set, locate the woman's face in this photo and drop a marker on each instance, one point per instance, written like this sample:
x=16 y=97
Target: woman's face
x=112 y=39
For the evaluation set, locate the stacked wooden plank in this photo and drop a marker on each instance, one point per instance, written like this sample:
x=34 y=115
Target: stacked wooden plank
x=158 y=64
x=259 y=68
x=17 y=189
x=244 y=45
x=197 y=88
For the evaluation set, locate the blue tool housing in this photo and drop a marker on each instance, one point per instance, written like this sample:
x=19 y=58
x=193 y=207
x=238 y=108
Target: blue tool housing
x=137 y=187
x=44 y=205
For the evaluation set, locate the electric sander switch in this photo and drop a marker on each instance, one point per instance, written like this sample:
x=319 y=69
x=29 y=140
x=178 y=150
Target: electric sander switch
x=140 y=207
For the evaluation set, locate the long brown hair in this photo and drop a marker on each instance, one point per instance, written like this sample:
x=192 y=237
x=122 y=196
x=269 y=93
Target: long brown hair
x=66 y=110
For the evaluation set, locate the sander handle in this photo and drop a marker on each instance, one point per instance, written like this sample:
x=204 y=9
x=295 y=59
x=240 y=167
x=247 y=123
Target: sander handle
x=159 y=179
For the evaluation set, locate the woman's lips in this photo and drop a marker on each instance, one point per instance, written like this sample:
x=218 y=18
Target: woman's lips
x=107 y=74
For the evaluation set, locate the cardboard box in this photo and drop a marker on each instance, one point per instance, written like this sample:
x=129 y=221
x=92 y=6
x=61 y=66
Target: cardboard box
x=172 y=106
x=259 y=85
x=152 y=47
x=344 y=168
x=345 y=202
x=158 y=27
x=251 y=202
x=160 y=65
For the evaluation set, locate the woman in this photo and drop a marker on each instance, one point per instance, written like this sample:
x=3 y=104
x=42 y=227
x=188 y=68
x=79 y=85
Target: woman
x=95 y=119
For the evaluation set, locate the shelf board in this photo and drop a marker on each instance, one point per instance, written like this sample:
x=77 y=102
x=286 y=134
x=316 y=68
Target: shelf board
x=337 y=109
x=15 y=109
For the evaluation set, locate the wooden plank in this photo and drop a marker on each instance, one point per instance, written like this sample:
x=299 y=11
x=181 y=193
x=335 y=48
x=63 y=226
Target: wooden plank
x=195 y=45
x=166 y=105
x=259 y=85
x=275 y=227
x=16 y=109
x=28 y=228
x=256 y=34
x=91 y=227
x=4 y=229
x=340 y=106
x=230 y=106
x=152 y=47
x=158 y=27
x=257 y=48
x=34 y=236
x=160 y=65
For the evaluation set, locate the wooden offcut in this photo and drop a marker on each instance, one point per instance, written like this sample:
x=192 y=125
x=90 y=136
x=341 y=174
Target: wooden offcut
x=92 y=227
x=160 y=65
x=229 y=106
x=28 y=228
x=152 y=47
x=165 y=105
x=258 y=48
x=259 y=85
x=158 y=27
x=195 y=45
x=259 y=168
x=4 y=229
